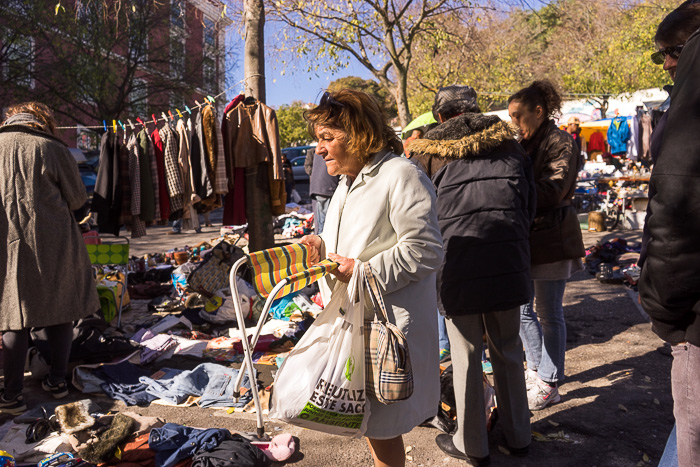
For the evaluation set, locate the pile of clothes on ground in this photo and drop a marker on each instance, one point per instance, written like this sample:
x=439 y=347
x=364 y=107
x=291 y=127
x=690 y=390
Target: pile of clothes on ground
x=176 y=345
x=81 y=434
x=296 y=222
x=614 y=262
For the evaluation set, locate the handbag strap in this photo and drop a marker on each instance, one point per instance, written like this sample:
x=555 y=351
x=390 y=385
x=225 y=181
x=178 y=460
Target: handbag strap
x=374 y=292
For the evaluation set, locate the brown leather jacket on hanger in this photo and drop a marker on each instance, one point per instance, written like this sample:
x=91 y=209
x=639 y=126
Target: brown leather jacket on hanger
x=253 y=137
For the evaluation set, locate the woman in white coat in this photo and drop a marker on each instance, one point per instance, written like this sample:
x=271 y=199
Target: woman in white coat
x=382 y=213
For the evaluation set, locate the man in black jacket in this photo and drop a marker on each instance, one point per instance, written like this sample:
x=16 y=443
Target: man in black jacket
x=485 y=204
x=670 y=282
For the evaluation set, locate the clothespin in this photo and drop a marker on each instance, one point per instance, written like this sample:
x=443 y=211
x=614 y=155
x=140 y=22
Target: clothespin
x=178 y=113
x=114 y=126
x=188 y=110
x=104 y=122
x=211 y=99
x=130 y=124
x=121 y=125
x=138 y=119
x=172 y=117
x=165 y=117
x=155 y=122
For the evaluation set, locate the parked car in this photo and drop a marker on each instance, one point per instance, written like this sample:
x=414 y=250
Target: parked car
x=297 y=157
x=87 y=167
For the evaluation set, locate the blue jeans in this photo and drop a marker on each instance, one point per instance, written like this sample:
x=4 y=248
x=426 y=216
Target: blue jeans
x=443 y=340
x=177 y=225
x=172 y=442
x=213 y=382
x=320 y=204
x=670 y=455
x=543 y=330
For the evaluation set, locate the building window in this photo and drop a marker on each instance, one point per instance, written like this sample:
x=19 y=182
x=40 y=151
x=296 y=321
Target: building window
x=177 y=13
x=19 y=61
x=209 y=75
x=177 y=57
x=138 y=97
x=209 y=32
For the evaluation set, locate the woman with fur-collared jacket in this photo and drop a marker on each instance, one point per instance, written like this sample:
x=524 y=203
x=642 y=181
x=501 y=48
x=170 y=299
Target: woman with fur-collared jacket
x=485 y=204
x=556 y=244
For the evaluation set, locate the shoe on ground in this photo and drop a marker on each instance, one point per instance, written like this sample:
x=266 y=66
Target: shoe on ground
x=58 y=390
x=530 y=378
x=444 y=442
x=172 y=232
x=541 y=394
x=487 y=367
x=13 y=406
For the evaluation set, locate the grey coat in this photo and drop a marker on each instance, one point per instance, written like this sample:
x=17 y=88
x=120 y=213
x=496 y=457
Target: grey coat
x=45 y=268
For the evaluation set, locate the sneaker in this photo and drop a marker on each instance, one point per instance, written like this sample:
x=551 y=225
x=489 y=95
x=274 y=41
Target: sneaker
x=15 y=406
x=444 y=353
x=541 y=395
x=58 y=391
x=487 y=367
x=530 y=378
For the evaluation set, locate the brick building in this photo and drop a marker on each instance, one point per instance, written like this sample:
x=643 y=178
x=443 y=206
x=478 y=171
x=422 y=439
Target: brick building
x=98 y=60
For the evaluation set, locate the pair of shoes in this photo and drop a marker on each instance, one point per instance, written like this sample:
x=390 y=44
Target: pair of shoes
x=444 y=353
x=541 y=394
x=446 y=445
x=173 y=232
x=58 y=390
x=530 y=378
x=14 y=406
x=487 y=367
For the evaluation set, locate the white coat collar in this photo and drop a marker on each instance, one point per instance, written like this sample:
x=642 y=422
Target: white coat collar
x=370 y=169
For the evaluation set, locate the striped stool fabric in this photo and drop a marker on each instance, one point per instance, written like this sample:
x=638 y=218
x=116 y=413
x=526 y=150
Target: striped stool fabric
x=290 y=262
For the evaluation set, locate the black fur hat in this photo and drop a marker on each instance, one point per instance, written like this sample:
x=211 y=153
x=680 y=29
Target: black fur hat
x=454 y=100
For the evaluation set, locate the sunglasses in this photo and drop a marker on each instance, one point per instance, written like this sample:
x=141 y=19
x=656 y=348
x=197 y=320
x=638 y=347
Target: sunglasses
x=328 y=101
x=660 y=57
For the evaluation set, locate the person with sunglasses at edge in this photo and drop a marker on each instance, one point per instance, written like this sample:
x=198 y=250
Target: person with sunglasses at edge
x=382 y=213
x=669 y=288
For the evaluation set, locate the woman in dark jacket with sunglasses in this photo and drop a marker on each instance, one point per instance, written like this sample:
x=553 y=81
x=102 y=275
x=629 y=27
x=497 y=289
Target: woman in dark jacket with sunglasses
x=556 y=244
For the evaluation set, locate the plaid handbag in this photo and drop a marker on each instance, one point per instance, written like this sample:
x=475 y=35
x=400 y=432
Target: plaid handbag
x=389 y=376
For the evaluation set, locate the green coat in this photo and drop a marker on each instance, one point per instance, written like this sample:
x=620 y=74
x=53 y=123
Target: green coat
x=45 y=269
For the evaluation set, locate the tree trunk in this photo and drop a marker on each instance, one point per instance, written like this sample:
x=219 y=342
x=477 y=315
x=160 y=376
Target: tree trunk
x=257 y=190
x=402 y=97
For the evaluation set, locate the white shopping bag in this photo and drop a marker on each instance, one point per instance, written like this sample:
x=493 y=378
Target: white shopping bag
x=321 y=384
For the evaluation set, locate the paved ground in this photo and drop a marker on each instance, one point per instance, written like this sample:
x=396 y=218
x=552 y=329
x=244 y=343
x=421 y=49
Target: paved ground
x=616 y=407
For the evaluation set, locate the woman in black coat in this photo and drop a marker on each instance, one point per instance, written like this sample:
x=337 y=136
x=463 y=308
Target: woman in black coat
x=556 y=244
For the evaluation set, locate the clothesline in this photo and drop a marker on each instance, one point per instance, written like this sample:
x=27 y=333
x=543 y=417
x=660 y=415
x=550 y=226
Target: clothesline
x=164 y=117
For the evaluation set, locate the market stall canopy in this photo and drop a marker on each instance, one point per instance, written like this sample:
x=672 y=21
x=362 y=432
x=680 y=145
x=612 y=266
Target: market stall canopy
x=78 y=155
x=418 y=122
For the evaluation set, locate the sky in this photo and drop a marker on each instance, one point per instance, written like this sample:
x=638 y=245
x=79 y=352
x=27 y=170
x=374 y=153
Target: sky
x=293 y=85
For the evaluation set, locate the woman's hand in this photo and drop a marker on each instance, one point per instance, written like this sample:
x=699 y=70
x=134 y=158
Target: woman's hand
x=314 y=243
x=345 y=267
